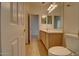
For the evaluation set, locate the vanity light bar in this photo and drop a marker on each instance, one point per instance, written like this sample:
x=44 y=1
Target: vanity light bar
x=51 y=7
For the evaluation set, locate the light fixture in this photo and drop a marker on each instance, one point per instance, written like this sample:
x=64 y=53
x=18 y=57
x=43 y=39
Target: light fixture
x=52 y=7
x=44 y=16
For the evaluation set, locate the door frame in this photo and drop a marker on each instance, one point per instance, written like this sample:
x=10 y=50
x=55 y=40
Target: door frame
x=29 y=26
x=0 y=29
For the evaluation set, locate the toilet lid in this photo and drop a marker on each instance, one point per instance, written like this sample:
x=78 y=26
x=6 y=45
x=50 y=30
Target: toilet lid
x=58 y=50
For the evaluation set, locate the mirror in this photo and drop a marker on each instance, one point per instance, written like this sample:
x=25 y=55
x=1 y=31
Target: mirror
x=57 y=22
x=54 y=19
x=57 y=15
x=43 y=19
x=49 y=19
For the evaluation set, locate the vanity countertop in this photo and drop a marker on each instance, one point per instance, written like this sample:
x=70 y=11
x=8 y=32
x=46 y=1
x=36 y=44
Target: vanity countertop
x=52 y=31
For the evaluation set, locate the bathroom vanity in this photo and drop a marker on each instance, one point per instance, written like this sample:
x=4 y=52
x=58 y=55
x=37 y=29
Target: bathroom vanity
x=51 y=33
x=51 y=38
x=51 y=28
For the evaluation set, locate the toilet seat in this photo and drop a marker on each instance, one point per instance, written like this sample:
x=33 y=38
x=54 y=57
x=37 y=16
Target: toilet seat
x=59 y=51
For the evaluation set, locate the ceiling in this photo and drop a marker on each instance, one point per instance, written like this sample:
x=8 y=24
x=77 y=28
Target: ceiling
x=43 y=6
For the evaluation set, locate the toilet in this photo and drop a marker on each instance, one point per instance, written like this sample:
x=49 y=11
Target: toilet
x=59 y=51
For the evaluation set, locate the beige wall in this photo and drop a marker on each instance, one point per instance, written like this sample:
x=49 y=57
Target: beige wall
x=71 y=17
x=71 y=26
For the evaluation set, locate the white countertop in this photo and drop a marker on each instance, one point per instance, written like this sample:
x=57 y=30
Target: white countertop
x=52 y=31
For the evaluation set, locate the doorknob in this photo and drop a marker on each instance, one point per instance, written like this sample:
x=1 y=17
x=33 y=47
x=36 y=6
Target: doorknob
x=24 y=30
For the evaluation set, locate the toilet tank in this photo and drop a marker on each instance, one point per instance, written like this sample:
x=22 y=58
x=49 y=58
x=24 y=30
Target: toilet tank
x=72 y=42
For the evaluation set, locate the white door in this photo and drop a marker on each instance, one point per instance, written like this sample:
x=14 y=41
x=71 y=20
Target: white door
x=23 y=26
x=12 y=29
x=26 y=23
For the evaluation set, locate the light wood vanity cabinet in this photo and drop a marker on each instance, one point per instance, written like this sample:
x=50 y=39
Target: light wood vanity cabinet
x=55 y=39
x=43 y=37
x=51 y=39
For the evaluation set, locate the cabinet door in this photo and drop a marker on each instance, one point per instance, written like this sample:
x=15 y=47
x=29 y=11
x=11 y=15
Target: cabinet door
x=43 y=37
x=47 y=41
x=55 y=39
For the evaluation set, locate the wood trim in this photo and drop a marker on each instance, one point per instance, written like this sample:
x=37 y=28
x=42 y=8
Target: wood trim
x=0 y=29
x=28 y=29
